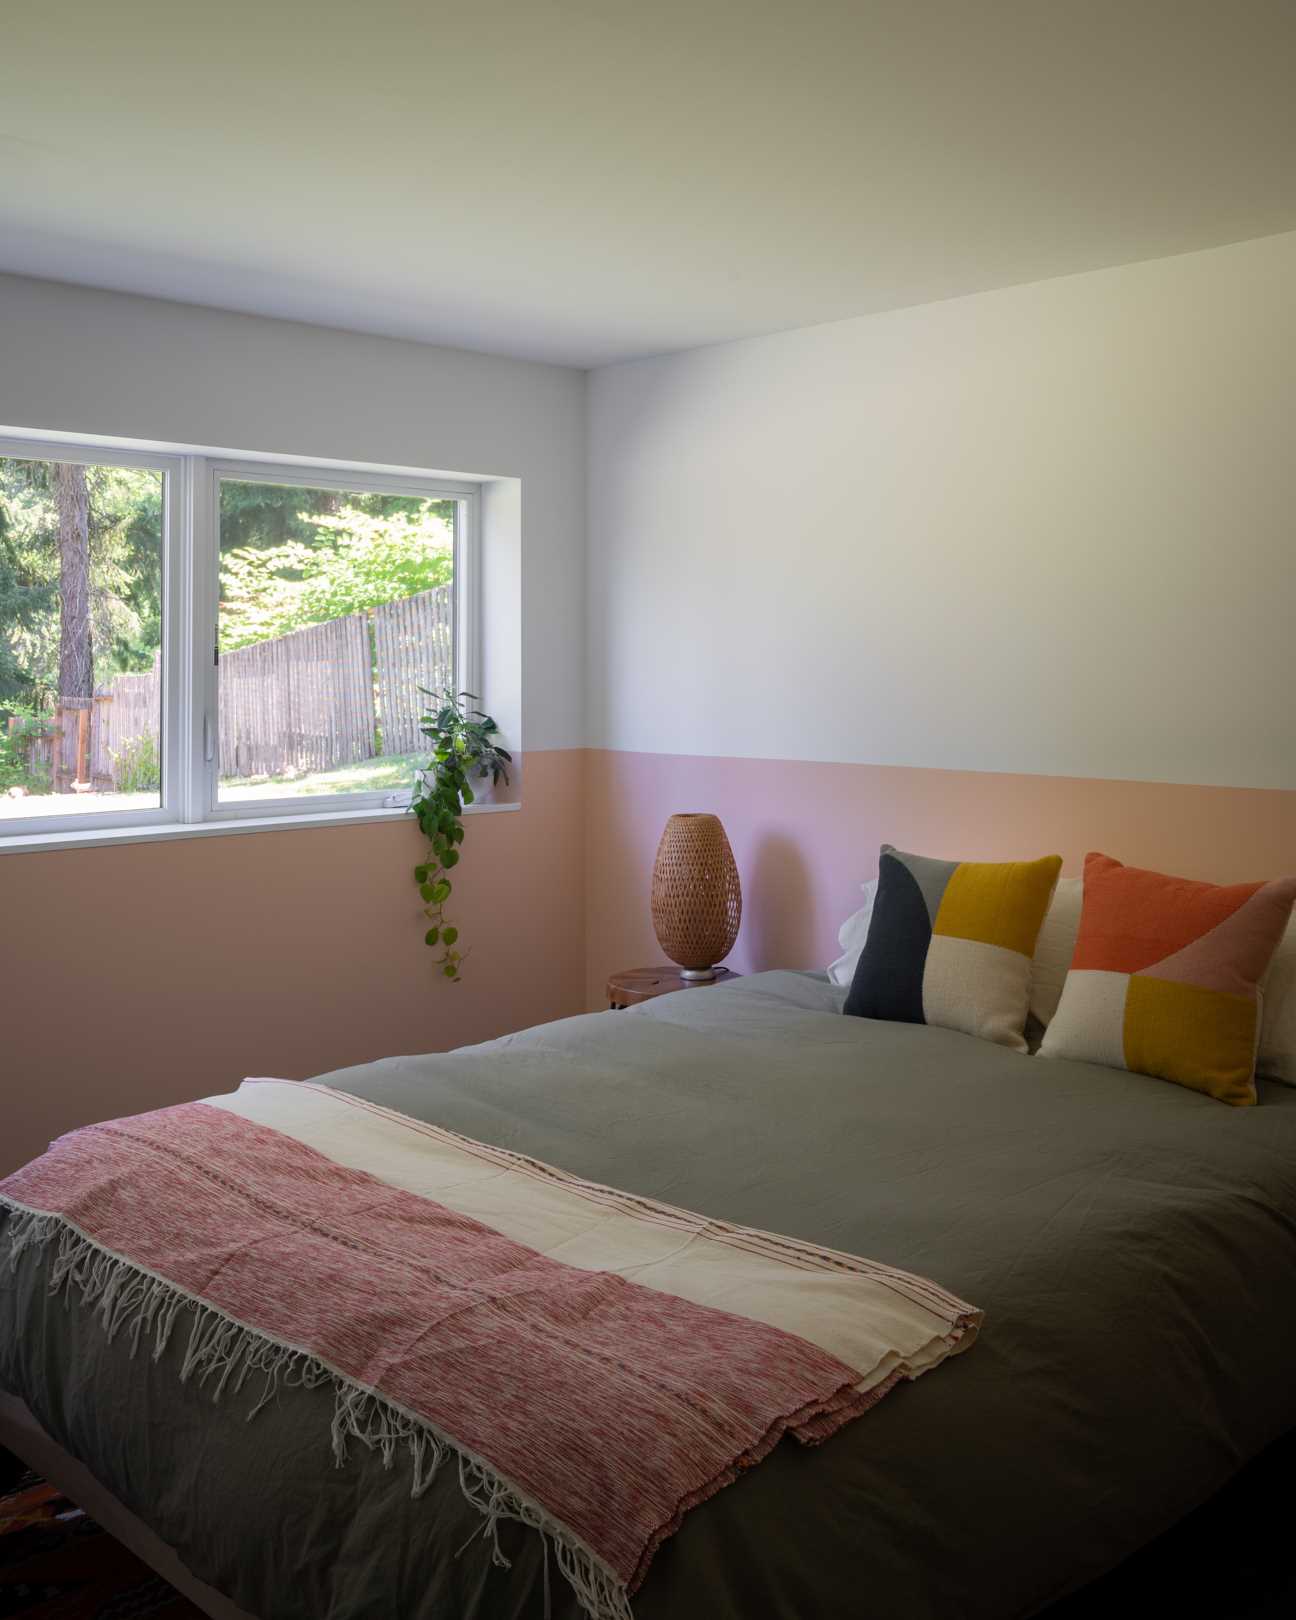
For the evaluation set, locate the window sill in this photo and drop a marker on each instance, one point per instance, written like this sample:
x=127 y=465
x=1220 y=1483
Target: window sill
x=157 y=833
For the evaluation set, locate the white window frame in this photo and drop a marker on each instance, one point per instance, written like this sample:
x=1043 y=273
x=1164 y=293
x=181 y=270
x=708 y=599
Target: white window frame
x=175 y=585
x=205 y=801
x=190 y=600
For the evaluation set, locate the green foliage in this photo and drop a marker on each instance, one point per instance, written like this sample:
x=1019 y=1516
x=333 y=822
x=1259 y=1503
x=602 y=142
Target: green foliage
x=16 y=767
x=290 y=556
x=348 y=560
x=269 y=515
x=125 y=512
x=28 y=596
x=137 y=767
x=463 y=745
x=13 y=772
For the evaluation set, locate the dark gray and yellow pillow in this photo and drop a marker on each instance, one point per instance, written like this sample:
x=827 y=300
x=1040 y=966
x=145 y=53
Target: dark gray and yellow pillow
x=951 y=943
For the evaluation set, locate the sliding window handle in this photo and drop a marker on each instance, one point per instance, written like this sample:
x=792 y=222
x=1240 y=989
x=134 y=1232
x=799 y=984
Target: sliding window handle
x=209 y=739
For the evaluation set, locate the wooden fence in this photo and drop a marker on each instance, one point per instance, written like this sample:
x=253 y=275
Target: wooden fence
x=126 y=720
x=413 y=647
x=302 y=702
x=331 y=694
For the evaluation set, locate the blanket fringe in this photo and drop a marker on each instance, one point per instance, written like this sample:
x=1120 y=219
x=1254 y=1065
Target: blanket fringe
x=223 y=1353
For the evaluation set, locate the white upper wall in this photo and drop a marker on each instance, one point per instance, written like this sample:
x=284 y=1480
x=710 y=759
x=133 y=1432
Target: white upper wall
x=1046 y=529
x=74 y=360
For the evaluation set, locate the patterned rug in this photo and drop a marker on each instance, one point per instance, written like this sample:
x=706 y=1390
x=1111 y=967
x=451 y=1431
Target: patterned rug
x=57 y=1564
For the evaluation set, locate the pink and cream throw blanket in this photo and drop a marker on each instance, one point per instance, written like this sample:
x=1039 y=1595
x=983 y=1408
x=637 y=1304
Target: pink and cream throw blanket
x=594 y=1364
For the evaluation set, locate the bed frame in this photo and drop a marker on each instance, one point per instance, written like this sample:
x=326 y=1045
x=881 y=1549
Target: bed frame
x=24 y=1436
x=1183 y=1572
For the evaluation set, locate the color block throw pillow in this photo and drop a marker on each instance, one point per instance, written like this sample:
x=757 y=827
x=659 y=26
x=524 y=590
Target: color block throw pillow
x=951 y=942
x=1165 y=976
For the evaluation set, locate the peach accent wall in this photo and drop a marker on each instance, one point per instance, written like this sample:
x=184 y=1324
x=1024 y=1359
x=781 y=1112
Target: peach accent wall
x=806 y=834
x=150 y=974
x=153 y=973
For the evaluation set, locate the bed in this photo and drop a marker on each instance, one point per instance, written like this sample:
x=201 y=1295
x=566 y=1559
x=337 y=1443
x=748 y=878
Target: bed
x=1132 y=1244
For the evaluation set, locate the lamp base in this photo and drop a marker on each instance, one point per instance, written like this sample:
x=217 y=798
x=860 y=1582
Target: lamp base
x=700 y=974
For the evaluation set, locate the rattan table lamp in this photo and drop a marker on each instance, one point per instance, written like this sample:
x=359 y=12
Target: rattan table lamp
x=696 y=895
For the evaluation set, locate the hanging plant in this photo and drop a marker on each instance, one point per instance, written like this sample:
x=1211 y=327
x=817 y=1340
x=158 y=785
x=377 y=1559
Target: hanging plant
x=463 y=745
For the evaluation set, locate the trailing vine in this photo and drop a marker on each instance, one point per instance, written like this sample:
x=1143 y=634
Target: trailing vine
x=463 y=745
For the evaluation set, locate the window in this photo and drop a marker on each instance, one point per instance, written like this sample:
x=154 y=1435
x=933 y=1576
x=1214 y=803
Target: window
x=86 y=644
x=336 y=615
x=184 y=640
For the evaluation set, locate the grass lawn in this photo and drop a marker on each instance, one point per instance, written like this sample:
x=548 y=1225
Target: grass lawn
x=72 y=804
x=390 y=774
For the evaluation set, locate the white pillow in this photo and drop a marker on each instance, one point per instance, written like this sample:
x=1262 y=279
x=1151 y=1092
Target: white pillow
x=1277 y=1056
x=1055 y=947
x=851 y=936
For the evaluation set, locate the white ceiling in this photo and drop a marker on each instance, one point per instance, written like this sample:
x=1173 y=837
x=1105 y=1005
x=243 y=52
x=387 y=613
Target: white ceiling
x=586 y=180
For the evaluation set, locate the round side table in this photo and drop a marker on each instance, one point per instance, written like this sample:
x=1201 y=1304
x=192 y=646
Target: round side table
x=628 y=989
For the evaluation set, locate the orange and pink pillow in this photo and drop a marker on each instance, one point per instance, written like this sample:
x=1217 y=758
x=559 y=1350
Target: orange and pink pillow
x=1165 y=976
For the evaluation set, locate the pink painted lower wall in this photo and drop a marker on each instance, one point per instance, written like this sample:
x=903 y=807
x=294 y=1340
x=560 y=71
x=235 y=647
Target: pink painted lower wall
x=135 y=977
x=144 y=975
x=806 y=834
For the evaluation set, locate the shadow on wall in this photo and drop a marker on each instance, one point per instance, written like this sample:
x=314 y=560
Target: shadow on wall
x=778 y=905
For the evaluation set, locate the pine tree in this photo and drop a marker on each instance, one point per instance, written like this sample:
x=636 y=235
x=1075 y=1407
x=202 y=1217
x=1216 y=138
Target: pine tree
x=76 y=648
